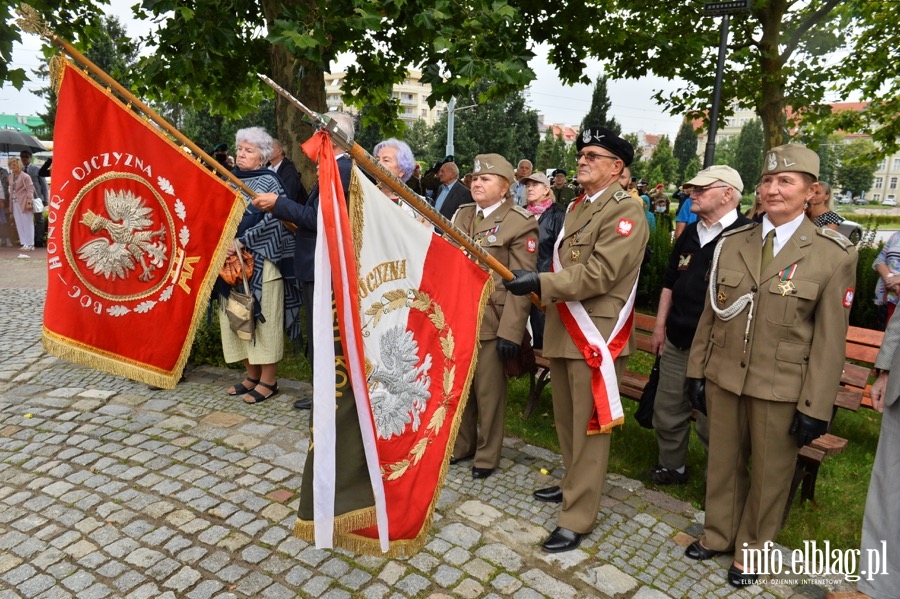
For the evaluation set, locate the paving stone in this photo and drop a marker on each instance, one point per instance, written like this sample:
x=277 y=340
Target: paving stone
x=548 y=585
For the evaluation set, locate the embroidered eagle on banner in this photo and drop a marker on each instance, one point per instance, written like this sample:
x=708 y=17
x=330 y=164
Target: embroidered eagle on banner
x=125 y=238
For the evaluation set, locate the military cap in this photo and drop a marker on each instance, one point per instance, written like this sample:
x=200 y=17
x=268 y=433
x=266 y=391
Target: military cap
x=493 y=164
x=791 y=158
x=560 y=171
x=222 y=147
x=717 y=172
x=607 y=139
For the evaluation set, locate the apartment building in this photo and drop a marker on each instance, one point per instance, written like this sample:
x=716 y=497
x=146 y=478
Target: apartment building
x=412 y=93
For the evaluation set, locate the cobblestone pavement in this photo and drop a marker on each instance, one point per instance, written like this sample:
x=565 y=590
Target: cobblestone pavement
x=110 y=489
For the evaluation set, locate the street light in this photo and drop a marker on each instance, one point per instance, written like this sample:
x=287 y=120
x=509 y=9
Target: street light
x=725 y=9
x=451 y=111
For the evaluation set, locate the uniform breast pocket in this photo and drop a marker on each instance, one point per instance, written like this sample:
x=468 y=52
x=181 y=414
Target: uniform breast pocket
x=788 y=300
x=727 y=281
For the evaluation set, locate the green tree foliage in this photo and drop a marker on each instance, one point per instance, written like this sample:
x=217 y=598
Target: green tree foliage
x=650 y=282
x=830 y=148
x=857 y=168
x=551 y=152
x=726 y=149
x=504 y=126
x=779 y=53
x=685 y=148
x=418 y=136
x=662 y=166
x=638 y=165
x=598 y=115
x=748 y=155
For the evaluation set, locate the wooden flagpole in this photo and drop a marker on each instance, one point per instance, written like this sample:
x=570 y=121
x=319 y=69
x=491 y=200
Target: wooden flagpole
x=371 y=165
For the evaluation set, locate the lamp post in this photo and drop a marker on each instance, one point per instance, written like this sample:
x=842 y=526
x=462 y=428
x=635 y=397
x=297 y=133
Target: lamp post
x=451 y=122
x=725 y=9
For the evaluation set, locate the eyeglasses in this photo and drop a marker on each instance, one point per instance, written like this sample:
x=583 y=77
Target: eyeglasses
x=700 y=190
x=593 y=156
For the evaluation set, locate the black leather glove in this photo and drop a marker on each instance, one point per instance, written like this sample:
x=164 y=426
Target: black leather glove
x=526 y=281
x=697 y=394
x=807 y=428
x=507 y=349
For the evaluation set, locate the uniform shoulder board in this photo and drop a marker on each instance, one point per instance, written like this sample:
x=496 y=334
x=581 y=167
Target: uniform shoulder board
x=621 y=195
x=522 y=211
x=739 y=229
x=836 y=237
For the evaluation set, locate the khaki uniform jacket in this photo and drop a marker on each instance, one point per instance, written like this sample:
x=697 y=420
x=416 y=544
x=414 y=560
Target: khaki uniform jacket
x=795 y=349
x=601 y=256
x=509 y=234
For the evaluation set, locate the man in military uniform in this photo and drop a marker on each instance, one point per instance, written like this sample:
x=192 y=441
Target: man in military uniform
x=589 y=298
x=770 y=346
x=717 y=193
x=509 y=233
x=562 y=192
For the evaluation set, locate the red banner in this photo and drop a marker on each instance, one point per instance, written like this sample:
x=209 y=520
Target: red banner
x=136 y=236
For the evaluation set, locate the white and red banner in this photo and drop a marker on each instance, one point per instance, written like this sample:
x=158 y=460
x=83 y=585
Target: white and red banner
x=412 y=340
x=136 y=236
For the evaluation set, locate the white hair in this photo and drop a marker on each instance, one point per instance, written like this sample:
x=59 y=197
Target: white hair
x=258 y=137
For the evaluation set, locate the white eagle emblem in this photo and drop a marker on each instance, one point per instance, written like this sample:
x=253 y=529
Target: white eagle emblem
x=771 y=161
x=398 y=386
x=624 y=227
x=586 y=135
x=130 y=240
x=477 y=167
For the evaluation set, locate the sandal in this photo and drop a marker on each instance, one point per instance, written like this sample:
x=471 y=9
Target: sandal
x=240 y=389
x=259 y=397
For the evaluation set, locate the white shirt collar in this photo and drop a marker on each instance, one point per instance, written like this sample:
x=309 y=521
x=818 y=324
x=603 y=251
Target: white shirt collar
x=590 y=199
x=707 y=234
x=487 y=211
x=783 y=232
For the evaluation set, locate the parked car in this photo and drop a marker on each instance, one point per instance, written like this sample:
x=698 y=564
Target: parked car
x=851 y=230
x=861 y=201
x=844 y=199
x=889 y=202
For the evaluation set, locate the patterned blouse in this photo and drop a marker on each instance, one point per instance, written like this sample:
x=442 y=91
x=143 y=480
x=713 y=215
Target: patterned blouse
x=829 y=218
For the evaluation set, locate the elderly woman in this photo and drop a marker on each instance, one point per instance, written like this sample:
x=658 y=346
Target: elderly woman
x=21 y=196
x=508 y=233
x=820 y=208
x=273 y=286
x=397 y=158
x=540 y=201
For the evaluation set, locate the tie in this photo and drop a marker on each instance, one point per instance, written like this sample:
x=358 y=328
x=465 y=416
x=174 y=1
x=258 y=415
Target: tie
x=768 y=250
x=479 y=216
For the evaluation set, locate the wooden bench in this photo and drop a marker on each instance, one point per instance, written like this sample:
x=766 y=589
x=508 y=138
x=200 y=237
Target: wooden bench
x=861 y=348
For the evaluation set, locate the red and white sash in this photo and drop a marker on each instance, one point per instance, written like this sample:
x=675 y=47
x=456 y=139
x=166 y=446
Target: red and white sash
x=598 y=354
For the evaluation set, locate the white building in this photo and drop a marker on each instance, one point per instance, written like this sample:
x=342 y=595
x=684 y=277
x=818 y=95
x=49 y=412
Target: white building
x=412 y=93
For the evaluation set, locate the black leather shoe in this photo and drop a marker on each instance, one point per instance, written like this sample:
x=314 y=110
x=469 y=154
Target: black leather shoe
x=697 y=551
x=481 y=472
x=462 y=459
x=550 y=494
x=738 y=578
x=303 y=404
x=562 y=539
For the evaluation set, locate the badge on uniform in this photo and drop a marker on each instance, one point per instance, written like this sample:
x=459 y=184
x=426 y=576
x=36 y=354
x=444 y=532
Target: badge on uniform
x=625 y=226
x=531 y=245
x=721 y=297
x=848 y=297
x=786 y=285
x=684 y=261
x=576 y=254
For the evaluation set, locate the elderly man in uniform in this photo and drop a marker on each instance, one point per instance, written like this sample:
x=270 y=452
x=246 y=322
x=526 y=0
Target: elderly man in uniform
x=589 y=298
x=770 y=346
x=509 y=233
x=717 y=193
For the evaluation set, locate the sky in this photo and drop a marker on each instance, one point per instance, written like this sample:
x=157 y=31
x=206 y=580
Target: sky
x=632 y=105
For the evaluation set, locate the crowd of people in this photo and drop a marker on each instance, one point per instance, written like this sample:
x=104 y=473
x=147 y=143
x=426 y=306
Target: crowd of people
x=23 y=196
x=750 y=329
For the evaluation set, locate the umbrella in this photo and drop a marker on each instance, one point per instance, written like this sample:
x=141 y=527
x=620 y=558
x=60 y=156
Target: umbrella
x=16 y=141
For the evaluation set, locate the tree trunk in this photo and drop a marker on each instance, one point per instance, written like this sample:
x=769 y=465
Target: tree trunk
x=771 y=104
x=304 y=81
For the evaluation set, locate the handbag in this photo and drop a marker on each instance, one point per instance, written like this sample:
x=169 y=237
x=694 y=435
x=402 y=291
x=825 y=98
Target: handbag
x=239 y=307
x=237 y=264
x=644 y=412
x=524 y=362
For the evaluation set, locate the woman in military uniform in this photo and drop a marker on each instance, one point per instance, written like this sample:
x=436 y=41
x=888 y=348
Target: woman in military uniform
x=770 y=346
x=509 y=233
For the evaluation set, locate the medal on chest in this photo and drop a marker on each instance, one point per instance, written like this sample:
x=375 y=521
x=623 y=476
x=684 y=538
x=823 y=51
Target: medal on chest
x=786 y=285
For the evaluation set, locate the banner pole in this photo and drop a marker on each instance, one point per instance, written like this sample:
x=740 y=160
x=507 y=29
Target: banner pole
x=371 y=165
